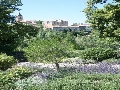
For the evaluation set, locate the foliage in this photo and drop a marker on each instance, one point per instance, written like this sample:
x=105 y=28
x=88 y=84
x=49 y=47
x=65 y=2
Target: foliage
x=62 y=36
x=49 y=50
x=14 y=36
x=39 y=23
x=11 y=32
x=98 y=53
x=25 y=33
x=87 y=41
x=78 y=81
x=70 y=38
x=50 y=45
x=6 y=61
x=6 y=32
x=105 y=19
x=9 y=77
x=97 y=48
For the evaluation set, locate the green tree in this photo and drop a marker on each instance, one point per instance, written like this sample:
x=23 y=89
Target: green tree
x=47 y=50
x=6 y=20
x=39 y=23
x=11 y=32
x=105 y=19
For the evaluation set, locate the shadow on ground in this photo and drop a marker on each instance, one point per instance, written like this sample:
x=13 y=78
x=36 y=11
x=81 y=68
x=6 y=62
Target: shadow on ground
x=19 y=55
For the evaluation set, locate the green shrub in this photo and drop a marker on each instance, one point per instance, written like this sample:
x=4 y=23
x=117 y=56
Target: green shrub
x=6 y=61
x=93 y=40
x=87 y=41
x=78 y=81
x=9 y=77
x=98 y=54
x=21 y=72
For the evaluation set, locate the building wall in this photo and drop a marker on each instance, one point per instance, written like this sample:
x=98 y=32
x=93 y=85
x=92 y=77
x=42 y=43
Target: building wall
x=47 y=24
x=51 y=24
x=66 y=28
x=73 y=28
x=19 y=18
x=54 y=25
x=85 y=27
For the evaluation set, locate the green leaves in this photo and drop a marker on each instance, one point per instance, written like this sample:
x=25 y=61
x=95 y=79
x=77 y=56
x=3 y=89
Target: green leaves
x=79 y=81
x=46 y=51
x=8 y=36
x=6 y=61
x=105 y=19
x=98 y=54
x=9 y=77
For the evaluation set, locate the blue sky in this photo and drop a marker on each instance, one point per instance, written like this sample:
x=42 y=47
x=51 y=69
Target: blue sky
x=69 y=10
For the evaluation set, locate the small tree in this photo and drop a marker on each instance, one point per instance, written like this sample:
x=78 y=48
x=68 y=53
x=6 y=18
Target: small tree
x=49 y=50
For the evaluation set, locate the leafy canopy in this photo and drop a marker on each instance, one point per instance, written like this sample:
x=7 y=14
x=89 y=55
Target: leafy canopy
x=105 y=19
x=11 y=32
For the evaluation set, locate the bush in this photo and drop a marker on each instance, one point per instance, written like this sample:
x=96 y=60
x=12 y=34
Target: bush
x=81 y=82
x=93 y=40
x=6 y=61
x=9 y=77
x=98 y=53
x=87 y=41
x=21 y=72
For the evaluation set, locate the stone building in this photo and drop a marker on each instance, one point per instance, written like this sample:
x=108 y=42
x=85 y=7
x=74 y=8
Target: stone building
x=54 y=25
x=51 y=24
x=20 y=19
x=63 y=25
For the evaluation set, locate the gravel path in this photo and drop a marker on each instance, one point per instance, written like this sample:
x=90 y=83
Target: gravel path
x=74 y=65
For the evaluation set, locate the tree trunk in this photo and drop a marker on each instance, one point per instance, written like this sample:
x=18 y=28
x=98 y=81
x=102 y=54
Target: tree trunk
x=57 y=66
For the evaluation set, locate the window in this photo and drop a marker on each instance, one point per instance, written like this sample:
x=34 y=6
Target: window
x=20 y=17
x=62 y=22
x=48 y=22
x=54 y=23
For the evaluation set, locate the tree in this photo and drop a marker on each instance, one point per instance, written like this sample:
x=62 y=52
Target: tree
x=46 y=50
x=6 y=20
x=11 y=32
x=105 y=19
x=39 y=23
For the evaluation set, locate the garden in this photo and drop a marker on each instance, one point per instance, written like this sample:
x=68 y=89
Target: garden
x=35 y=59
x=59 y=60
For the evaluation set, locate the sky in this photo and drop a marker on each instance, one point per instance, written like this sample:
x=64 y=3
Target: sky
x=48 y=10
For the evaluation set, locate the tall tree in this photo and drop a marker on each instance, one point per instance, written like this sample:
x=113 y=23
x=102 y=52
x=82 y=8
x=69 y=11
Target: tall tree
x=11 y=32
x=105 y=19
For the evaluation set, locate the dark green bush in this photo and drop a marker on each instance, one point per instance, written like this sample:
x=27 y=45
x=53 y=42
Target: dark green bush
x=98 y=53
x=13 y=36
x=6 y=61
